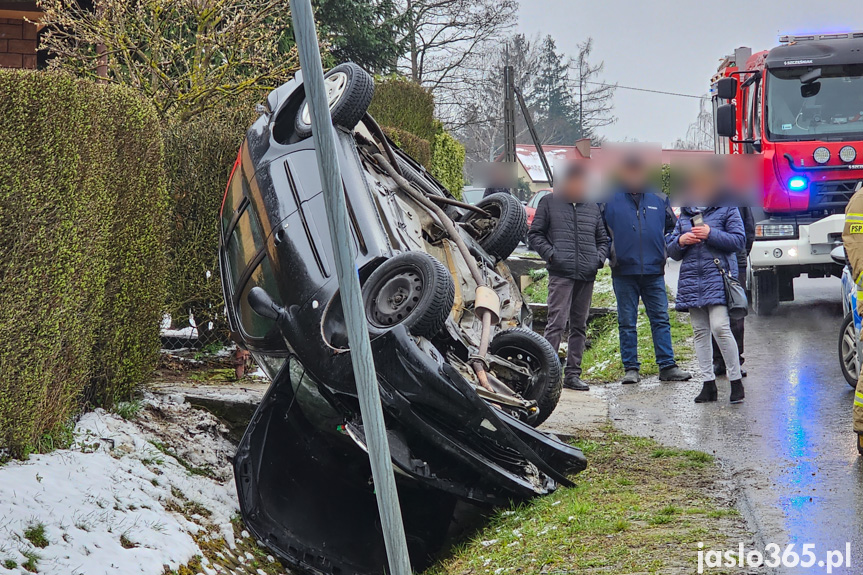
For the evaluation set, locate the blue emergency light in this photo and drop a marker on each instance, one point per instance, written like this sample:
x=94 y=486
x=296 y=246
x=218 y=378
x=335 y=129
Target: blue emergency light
x=797 y=183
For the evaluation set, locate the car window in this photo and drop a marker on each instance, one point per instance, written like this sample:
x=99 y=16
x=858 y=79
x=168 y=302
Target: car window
x=244 y=243
x=534 y=201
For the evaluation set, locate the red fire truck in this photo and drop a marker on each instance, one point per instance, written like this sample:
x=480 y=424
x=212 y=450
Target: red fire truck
x=799 y=108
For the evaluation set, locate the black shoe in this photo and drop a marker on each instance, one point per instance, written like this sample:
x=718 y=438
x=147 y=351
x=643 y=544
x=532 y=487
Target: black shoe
x=860 y=443
x=708 y=392
x=737 y=393
x=575 y=383
x=719 y=368
x=631 y=376
x=673 y=373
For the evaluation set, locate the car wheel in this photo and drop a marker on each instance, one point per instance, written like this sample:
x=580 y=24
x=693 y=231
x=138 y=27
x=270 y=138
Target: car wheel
x=413 y=289
x=500 y=234
x=848 y=350
x=349 y=92
x=528 y=349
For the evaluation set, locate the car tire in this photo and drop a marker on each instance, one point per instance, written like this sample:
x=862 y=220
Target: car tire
x=848 y=350
x=508 y=228
x=350 y=90
x=527 y=348
x=412 y=289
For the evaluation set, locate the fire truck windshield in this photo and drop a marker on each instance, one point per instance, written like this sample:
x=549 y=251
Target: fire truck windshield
x=829 y=108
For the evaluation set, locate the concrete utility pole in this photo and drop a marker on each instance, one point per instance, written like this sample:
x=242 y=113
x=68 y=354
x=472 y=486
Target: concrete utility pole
x=349 y=286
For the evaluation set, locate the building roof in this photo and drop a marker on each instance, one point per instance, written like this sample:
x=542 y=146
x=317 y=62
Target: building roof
x=528 y=157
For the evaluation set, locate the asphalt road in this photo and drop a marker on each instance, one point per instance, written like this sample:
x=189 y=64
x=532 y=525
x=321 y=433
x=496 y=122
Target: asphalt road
x=790 y=444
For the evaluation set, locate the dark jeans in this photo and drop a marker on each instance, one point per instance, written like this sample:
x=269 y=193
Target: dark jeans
x=737 y=331
x=568 y=300
x=651 y=290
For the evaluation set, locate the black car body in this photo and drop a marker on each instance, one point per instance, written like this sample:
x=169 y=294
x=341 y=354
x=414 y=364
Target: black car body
x=302 y=473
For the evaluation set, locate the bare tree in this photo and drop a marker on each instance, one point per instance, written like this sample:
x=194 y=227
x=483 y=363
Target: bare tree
x=187 y=56
x=594 y=98
x=446 y=40
x=699 y=134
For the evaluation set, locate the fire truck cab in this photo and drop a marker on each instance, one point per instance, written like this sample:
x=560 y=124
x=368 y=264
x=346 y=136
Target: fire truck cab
x=799 y=107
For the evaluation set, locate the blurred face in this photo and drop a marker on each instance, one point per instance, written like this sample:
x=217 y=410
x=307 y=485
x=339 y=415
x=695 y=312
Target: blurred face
x=574 y=186
x=633 y=176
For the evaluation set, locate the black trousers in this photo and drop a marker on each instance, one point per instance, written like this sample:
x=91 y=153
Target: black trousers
x=568 y=300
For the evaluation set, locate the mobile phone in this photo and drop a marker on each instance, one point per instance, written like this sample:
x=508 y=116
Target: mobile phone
x=697 y=220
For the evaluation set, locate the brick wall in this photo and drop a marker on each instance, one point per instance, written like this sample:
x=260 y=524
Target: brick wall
x=17 y=44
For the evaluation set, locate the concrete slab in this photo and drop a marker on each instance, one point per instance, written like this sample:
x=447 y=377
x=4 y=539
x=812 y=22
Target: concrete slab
x=577 y=411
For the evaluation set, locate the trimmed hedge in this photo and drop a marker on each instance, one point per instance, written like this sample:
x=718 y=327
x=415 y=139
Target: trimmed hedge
x=403 y=104
x=82 y=205
x=447 y=163
x=417 y=148
x=199 y=154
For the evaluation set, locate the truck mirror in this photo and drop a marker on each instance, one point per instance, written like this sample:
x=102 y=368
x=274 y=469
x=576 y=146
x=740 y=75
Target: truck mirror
x=810 y=90
x=726 y=88
x=726 y=126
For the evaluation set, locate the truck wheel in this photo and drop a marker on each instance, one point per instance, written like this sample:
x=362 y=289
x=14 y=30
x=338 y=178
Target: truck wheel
x=528 y=349
x=765 y=293
x=413 y=289
x=500 y=234
x=848 y=350
x=349 y=91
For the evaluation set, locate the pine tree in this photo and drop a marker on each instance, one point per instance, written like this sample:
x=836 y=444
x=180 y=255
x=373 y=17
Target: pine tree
x=366 y=32
x=557 y=112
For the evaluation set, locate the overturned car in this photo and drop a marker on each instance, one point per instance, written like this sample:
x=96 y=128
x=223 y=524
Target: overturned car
x=463 y=380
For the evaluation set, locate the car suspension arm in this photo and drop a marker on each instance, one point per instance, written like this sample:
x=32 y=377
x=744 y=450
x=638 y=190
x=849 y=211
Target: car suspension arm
x=447 y=223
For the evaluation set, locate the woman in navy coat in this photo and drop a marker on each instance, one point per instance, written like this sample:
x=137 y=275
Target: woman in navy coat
x=701 y=290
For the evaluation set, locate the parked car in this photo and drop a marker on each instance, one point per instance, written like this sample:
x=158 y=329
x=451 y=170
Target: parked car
x=472 y=195
x=463 y=378
x=533 y=203
x=850 y=348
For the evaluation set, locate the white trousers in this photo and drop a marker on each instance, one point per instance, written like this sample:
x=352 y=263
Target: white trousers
x=714 y=319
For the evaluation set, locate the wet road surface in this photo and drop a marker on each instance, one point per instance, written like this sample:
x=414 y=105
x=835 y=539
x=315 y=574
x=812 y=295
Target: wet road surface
x=790 y=444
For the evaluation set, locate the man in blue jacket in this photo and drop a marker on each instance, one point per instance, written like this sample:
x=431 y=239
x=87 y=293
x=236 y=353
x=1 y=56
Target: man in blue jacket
x=637 y=218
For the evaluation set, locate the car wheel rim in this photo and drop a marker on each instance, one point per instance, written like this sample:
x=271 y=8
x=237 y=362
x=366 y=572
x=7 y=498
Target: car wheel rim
x=397 y=298
x=522 y=358
x=336 y=86
x=849 y=350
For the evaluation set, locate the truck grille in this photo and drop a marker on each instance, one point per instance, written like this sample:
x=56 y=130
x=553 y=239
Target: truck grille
x=835 y=194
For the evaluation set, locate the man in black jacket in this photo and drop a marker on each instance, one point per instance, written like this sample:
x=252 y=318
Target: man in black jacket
x=570 y=236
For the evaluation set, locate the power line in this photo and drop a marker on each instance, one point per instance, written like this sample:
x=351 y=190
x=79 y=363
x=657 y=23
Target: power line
x=646 y=90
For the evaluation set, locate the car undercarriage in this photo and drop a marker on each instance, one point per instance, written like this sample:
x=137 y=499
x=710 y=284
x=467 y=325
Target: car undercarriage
x=463 y=379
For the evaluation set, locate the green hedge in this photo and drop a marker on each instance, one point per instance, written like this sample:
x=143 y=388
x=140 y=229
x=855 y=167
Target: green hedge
x=417 y=148
x=447 y=163
x=82 y=205
x=400 y=103
x=199 y=154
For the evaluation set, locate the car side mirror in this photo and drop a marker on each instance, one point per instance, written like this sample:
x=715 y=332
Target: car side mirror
x=726 y=88
x=726 y=125
x=837 y=254
x=263 y=305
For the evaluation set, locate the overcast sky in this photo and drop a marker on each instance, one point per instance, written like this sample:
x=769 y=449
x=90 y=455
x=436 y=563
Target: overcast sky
x=675 y=46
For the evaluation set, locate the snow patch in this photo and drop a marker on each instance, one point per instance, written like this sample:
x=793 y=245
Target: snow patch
x=116 y=483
